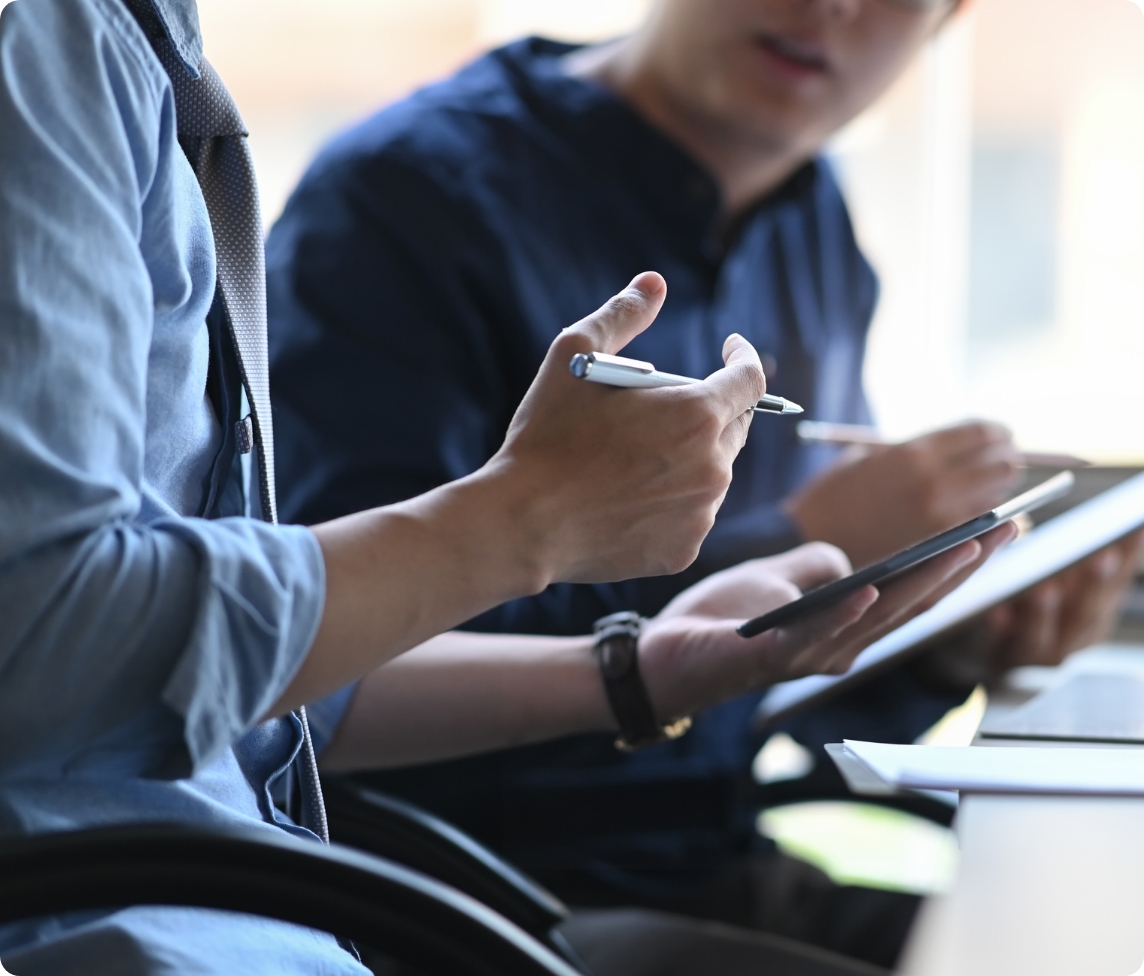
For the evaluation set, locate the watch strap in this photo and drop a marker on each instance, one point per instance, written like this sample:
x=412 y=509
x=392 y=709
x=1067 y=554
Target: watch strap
x=617 y=656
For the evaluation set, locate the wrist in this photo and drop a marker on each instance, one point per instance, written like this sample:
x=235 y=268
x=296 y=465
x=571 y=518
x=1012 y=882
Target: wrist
x=617 y=655
x=489 y=522
x=526 y=523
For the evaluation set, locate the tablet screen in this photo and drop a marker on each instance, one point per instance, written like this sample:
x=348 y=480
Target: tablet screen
x=908 y=558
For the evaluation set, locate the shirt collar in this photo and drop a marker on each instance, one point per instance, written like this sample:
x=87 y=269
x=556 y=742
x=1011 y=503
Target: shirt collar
x=179 y=20
x=654 y=164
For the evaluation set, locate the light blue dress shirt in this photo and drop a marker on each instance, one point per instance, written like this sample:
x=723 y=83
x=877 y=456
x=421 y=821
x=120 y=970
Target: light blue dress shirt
x=139 y=642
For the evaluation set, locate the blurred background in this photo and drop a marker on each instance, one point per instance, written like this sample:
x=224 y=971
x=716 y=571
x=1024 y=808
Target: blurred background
x=998 y=188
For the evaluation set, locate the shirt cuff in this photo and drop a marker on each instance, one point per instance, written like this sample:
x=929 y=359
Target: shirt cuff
x=259 y=605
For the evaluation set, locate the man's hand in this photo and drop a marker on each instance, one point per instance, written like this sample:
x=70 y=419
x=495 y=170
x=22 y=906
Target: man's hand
x=1073 y=610
x=623 y=483
x=691 y=656
x=462 y=692
x=592 y=484
x=880 y=500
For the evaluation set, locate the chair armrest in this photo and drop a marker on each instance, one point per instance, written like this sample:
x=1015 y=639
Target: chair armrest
x=406 y=915
x=402 y=832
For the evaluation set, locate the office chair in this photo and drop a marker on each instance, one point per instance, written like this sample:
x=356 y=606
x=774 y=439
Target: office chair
x=401 y=832
x=411 y=918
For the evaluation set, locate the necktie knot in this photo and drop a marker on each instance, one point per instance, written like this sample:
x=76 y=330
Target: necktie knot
x=203 y=106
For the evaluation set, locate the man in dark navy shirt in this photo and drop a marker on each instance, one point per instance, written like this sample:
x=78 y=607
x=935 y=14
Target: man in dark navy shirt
x=423 y=267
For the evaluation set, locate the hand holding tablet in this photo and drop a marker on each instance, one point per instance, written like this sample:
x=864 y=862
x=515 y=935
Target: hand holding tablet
x=899 y=563
x=691 y=656
x=1062 y=542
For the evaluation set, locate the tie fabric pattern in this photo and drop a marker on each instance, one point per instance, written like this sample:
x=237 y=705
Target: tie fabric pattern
x=214 y=139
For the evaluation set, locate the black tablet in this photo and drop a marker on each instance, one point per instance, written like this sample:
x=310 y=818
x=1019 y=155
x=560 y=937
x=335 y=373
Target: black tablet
x=897 y=564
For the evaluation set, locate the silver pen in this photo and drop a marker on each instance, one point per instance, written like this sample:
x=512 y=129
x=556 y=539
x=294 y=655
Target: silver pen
x=599 y=367
x=823 y=432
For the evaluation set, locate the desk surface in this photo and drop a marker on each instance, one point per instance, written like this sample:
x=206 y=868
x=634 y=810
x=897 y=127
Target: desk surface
x=1047 y=886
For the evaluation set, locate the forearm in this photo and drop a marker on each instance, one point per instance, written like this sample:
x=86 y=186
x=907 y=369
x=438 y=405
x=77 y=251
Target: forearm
x=570 y=609
x=397 y=576
x=466 y=693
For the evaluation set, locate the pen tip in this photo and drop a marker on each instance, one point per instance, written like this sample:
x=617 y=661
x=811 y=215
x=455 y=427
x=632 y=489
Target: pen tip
x=792 y=407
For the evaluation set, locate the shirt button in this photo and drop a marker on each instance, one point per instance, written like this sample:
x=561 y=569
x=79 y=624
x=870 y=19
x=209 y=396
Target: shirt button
x=770 y=366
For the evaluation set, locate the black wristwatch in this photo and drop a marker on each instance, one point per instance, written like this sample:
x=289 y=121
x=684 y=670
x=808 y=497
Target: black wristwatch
x=617 y=656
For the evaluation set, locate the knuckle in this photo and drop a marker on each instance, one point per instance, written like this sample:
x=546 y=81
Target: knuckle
x=681 y=556
x=712 y=482
x=785 y=592
x=700 y=421
x=738 y=430
x=991 y=432
x=917 y=455
x=625 y=304
x=831 y=556
x=750 y=378
x=570 y=342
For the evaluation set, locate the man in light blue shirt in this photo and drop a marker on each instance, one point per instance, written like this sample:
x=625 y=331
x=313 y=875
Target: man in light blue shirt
x=155 y=639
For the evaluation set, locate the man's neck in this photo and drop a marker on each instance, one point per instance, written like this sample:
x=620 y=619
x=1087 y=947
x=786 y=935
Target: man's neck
x=746 y=169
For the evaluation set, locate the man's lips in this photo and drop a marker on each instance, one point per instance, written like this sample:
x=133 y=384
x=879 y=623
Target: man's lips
x=800 y=55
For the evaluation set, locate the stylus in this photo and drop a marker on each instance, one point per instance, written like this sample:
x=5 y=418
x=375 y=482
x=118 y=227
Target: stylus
x=599 y=367
x=821 y=432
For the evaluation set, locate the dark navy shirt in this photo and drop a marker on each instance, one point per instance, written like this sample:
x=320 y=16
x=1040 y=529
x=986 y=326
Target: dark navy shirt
x=417 y=277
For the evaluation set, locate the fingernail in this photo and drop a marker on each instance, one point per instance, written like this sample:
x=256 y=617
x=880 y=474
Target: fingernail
x=648 y=278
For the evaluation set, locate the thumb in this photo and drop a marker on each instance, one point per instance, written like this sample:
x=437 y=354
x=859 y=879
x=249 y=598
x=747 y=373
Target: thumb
x=737 y=351
x=741 y=382
x=621 y=318
x=810 y=565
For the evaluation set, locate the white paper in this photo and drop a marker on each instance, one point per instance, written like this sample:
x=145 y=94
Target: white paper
x=1046 y=550
x=977 y=769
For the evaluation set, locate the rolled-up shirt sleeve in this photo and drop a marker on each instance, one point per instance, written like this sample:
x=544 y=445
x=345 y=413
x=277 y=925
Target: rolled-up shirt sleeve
x=182 y=629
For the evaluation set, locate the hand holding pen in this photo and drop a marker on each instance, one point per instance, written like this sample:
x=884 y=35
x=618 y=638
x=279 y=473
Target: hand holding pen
x=822 y=432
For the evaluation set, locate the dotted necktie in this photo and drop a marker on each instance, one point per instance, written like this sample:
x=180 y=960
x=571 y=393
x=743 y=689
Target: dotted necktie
x=213 y=136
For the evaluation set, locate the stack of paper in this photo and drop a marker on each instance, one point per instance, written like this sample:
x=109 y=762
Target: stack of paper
x=874 y=767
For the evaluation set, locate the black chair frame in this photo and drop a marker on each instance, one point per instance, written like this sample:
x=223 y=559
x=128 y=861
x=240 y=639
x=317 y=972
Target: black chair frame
x=411 y=918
